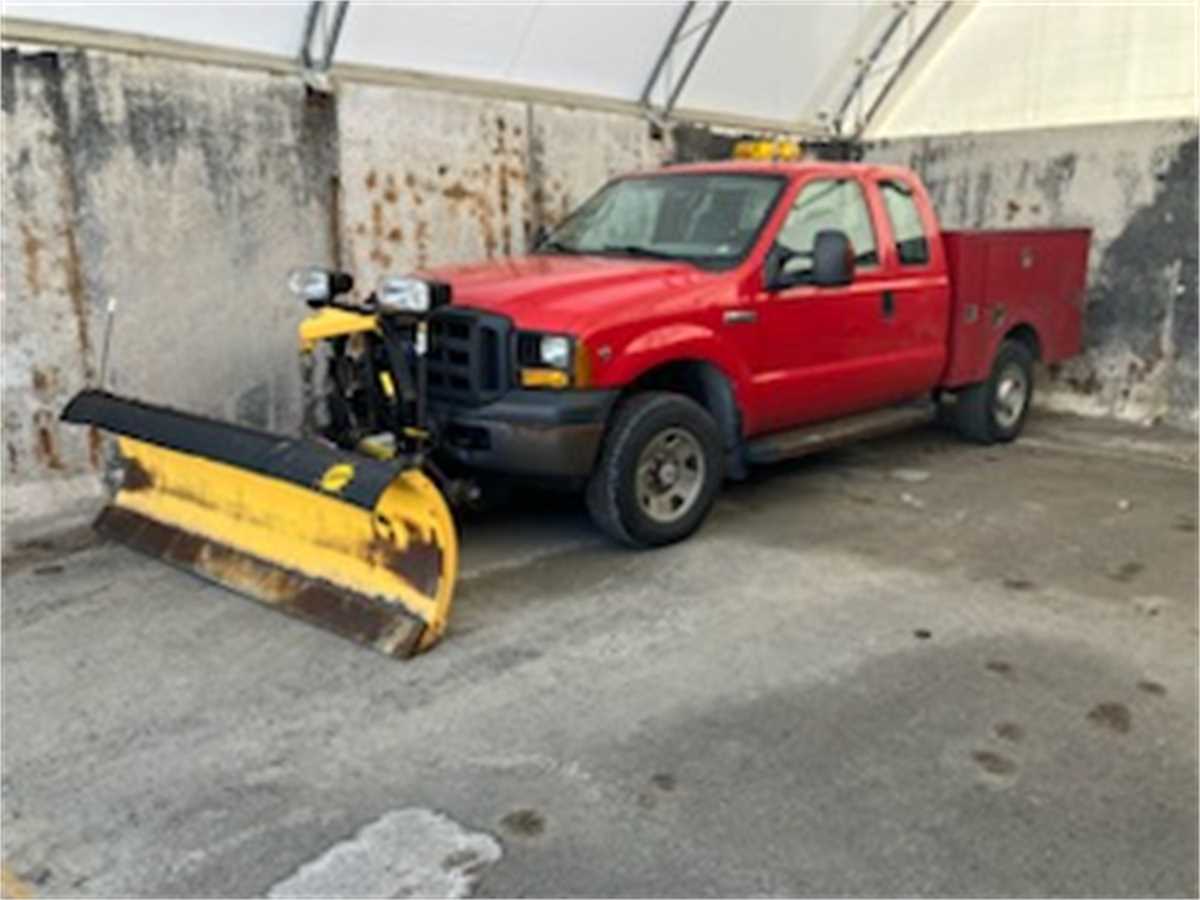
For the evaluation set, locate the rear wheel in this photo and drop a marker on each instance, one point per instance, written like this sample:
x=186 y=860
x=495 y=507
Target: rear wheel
x=659 y=470
x=995 y=410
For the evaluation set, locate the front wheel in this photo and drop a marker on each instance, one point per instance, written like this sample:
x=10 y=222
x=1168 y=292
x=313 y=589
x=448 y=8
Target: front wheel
x=659 y=470
x=995 y=410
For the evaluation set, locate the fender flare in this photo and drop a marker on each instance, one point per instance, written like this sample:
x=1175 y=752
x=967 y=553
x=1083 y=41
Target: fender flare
x=676 y=343
x=719 y=374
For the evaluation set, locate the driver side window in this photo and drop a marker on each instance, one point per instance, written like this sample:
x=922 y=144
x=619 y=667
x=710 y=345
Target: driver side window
x=825 y=204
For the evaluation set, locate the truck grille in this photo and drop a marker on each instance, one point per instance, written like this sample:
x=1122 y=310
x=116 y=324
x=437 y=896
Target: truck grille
x=467 y=363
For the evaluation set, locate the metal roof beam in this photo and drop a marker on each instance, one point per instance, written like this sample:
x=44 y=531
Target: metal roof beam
x=941 y=28
x=913 y=54
x=865 y=65
x=665 y=53
x=317 y=12
x=902 y=67
x=677 y=36
x=682 y=81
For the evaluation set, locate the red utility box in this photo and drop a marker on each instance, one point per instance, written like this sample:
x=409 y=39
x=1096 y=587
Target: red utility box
x=1001 y=279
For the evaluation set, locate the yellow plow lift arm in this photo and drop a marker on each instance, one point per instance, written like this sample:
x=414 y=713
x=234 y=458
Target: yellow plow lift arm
x=364 y=547
x=329 y=323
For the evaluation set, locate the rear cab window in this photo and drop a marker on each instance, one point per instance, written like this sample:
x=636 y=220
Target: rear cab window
x=904 y=216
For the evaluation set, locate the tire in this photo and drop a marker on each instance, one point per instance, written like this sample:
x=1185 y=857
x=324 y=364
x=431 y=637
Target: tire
x=988 y=412
x=663 y=436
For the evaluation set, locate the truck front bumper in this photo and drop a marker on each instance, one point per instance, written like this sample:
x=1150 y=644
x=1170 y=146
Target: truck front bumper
x=543 y=433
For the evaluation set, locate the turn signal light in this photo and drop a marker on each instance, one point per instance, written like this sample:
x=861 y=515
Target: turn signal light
x=544 y=378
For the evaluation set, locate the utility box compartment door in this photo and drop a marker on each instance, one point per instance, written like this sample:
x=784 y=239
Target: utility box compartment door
x=1004 y=279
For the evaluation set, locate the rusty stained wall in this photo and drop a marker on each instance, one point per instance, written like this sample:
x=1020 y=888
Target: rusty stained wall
x=186 y=192
x=48 y=323
x=198 y=188
x=573 y=152
x=429 y=178
x=1135 y=185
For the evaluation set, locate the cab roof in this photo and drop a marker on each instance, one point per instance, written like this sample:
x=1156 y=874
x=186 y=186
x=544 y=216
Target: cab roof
x=787 y=169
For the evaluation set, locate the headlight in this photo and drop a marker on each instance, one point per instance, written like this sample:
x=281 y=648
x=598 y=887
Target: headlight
x=310 y=284
x=403 y=295
x=551 y=361
x=317 y=286
x=414 y=296
x=554 y=350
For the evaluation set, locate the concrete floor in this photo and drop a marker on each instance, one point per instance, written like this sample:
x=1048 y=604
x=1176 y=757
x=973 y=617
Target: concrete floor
x=854 y=680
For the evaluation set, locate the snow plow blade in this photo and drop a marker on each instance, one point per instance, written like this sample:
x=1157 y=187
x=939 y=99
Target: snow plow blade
x=363 y=547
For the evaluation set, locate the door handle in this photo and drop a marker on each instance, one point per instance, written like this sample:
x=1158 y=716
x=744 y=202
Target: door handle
x=739 y=316
x=889 y=305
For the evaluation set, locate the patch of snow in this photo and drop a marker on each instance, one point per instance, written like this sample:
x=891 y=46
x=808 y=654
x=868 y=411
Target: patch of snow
x=409 y=852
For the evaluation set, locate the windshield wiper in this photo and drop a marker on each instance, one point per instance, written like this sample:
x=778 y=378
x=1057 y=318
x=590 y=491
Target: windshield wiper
x=635 y=250
x=555 y=247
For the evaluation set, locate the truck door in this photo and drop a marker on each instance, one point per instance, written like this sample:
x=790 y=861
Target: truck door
x=826 y=352
x=915 y=285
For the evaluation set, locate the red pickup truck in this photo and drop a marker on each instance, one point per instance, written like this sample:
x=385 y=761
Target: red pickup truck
x=678 y=328
x=685 y=324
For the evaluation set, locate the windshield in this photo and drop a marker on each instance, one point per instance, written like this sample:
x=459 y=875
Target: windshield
x=706 y=219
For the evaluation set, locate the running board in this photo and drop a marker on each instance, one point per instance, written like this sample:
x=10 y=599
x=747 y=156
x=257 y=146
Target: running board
x=836 y=432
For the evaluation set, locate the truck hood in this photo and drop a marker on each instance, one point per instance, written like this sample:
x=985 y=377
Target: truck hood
x=568 y=293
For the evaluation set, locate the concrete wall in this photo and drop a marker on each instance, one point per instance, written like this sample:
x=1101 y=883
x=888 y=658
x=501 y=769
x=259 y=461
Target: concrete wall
x=1135 y=185
x=187 y=191
x=184 y=191
x=426 y=176
x=430 y=177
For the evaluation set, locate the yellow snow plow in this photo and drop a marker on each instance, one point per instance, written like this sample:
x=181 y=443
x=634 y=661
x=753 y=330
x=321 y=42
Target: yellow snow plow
x=342 y=528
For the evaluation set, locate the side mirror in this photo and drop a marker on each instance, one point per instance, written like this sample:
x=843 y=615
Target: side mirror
x=833 y=259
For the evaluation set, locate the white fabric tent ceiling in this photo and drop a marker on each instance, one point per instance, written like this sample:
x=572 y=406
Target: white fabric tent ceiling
x=785 y=63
